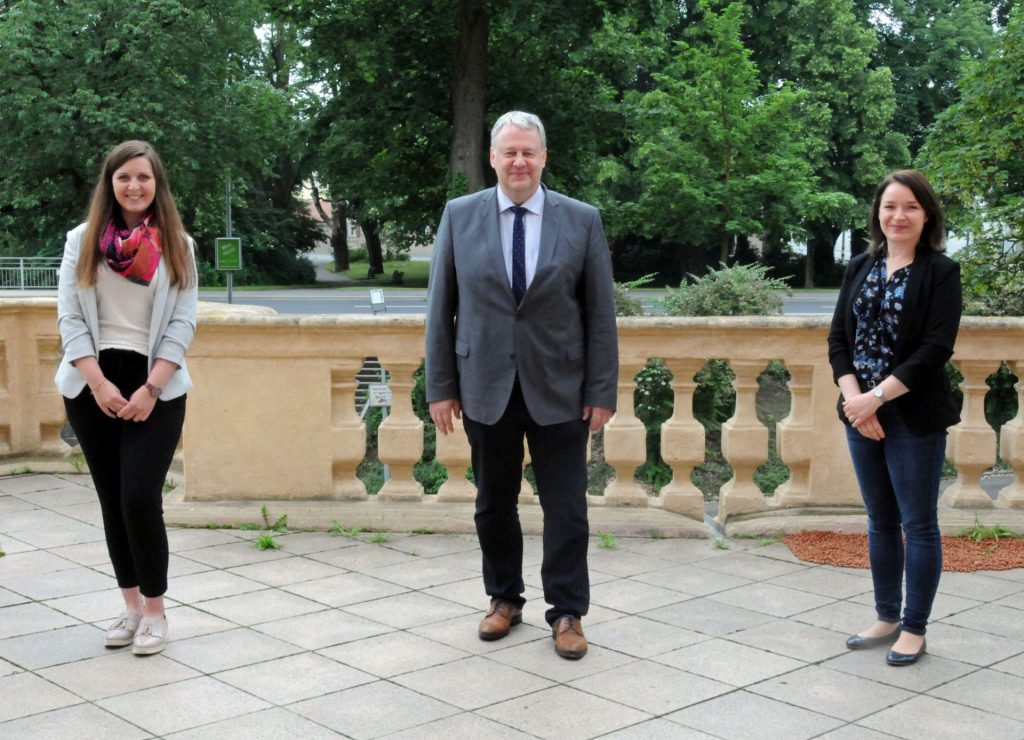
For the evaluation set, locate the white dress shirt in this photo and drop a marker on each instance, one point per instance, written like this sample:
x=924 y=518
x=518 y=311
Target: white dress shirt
x=534 y=206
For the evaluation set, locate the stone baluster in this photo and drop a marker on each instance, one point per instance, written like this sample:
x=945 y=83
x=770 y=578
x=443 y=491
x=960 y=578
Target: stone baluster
x=972 y=442
x=348 y=433
x=1011 y=446
x=744 y=445
x=452 y=451
x=400 y=436
x=683 y=443
x=625 y=444
x=795 y=439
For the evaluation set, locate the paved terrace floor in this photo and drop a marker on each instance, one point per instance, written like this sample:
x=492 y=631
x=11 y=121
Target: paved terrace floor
x=346 y=636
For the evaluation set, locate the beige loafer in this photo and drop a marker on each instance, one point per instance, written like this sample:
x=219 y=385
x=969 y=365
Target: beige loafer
x=151 y=636
x=122 y=632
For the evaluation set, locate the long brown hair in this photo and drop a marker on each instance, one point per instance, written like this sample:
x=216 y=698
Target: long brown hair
x=103 y=207
x=933 y=236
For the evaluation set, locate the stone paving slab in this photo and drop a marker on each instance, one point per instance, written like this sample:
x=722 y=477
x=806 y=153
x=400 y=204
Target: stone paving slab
x=337 y=636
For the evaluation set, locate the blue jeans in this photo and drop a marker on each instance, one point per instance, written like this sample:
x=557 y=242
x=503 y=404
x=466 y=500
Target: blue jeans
x=899 y=481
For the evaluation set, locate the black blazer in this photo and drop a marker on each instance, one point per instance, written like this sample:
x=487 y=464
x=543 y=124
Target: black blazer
x=928 y=325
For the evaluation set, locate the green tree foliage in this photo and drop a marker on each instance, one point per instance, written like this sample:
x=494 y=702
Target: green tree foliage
x=924 y=43
x=78 y=77
x=719 y=157
x=975 y=157
x=821 y=46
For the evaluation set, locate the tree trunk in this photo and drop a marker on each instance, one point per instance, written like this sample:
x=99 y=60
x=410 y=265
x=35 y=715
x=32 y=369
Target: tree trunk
x=339 y=234
x=336 y=220
x=373 y=248
x=468 y=91
x=858 y=241
x=821 y=259
x=724 y=243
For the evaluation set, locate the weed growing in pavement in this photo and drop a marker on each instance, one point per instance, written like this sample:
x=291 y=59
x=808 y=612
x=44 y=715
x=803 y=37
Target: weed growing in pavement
x=380 y=538
x=979 y=532
x=336 y=529
x=280 y=525
x=606 y=540
x=77 y=461
x=721 y=544
x=423 y=530
x=266 y=542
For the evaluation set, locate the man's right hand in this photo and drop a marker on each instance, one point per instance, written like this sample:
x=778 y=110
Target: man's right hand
x=441 y=412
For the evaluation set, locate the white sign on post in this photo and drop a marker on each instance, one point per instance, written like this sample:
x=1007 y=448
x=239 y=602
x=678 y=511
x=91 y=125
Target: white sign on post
x=380 y=394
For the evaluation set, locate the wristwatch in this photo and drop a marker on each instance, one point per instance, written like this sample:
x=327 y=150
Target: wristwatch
x=879 y=393
x=153 y=390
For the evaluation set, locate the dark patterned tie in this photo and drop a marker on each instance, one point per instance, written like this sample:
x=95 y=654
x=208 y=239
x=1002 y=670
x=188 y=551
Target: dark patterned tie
x=518 y=254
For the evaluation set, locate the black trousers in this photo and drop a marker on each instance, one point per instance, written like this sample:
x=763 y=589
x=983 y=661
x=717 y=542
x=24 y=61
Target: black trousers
x=128 y=461
x=559 y=463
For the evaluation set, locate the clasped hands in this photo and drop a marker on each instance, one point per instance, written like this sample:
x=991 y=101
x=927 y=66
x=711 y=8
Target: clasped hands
x=114 y=405
x=862 y=413
x=442 y=413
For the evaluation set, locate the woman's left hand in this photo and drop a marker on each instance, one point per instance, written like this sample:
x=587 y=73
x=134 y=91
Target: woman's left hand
x=139 y=406
x=860 y=408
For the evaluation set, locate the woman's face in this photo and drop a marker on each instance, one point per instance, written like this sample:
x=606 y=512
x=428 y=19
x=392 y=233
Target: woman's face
x=134 y=189
x=900 y=215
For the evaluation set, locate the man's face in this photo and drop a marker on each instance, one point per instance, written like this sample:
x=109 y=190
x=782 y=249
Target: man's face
x=519 y=159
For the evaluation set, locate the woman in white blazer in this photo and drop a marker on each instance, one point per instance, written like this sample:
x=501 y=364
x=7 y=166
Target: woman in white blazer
x=126 y=311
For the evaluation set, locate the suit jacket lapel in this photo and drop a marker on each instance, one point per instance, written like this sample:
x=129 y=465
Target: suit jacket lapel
x=550 y=225
x=494 y=255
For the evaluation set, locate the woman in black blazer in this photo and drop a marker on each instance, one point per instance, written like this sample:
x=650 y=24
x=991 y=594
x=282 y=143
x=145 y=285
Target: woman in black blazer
x=894 y=328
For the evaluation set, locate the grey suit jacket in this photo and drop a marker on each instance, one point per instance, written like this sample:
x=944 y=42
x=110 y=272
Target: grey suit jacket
x=561 y=340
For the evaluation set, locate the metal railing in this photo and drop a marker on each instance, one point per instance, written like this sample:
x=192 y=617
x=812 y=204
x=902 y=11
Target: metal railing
x=23 y=273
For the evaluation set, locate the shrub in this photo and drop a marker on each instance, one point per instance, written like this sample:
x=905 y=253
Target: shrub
x=740 y=290
x=626 y=304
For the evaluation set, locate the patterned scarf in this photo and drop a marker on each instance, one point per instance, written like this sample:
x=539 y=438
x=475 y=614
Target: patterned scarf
x=132 y=253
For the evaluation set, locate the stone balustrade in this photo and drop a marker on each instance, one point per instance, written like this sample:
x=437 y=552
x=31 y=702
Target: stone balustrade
x=273 y=419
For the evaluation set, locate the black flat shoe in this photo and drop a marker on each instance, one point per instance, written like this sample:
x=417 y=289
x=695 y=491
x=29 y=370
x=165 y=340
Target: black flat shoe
x=860 y=643
x=898 y=659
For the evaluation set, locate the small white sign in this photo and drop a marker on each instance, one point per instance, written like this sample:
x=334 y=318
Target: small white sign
x=377 y=300
x=380 y=394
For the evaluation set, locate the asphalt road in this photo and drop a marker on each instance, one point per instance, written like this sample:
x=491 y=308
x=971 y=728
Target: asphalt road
x=414 y=301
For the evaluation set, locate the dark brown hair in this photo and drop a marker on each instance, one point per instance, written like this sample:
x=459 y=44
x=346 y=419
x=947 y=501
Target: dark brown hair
x=103 y=207
x=933 y=236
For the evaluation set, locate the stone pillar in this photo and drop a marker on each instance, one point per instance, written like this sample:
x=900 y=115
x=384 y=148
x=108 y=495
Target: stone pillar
x=452 y=451
x=1011 y=446
x=972 y=443
x=348 y=433
x=625 y=444
x=683 y=443
x=744 y=445
x=795 y=439
x=400 y=436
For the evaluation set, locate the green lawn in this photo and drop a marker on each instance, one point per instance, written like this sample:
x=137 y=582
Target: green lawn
x=416 y=273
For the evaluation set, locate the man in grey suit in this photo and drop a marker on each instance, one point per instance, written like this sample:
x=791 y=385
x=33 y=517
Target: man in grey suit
x=521 y=340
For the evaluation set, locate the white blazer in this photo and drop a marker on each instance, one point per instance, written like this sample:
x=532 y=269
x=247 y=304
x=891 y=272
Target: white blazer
x=171 y=326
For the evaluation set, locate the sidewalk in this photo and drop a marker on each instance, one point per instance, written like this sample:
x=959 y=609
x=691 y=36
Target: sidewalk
x=375 y=636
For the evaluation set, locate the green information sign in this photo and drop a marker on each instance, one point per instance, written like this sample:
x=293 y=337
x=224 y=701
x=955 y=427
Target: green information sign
x=228 y=254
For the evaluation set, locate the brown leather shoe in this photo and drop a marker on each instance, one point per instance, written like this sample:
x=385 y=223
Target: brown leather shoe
x=500 y=618
x=569 y=640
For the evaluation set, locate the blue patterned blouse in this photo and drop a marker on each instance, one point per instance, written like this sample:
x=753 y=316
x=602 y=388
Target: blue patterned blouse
x=877 y=309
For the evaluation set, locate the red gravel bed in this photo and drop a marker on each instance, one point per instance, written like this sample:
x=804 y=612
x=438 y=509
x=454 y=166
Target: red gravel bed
x=958 y=553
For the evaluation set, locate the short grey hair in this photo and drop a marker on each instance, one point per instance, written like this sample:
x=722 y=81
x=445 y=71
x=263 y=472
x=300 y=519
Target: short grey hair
x=519 y=119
